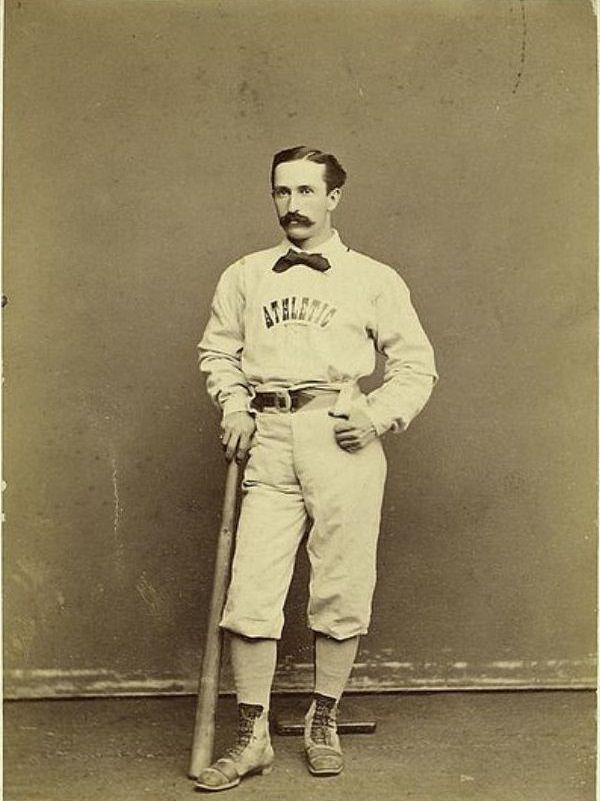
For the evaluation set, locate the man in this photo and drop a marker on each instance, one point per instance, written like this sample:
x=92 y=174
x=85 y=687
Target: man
x=291 y=331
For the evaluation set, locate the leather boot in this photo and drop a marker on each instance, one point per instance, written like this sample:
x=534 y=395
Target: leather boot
x=251 y=753
x=321 y=742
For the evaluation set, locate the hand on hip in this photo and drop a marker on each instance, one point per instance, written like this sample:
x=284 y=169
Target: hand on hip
x=355 y=432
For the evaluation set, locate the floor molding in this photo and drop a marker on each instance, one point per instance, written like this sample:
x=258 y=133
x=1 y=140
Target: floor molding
x=373 y=676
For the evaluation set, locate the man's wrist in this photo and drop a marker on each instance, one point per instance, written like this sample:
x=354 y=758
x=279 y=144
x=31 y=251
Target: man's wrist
x=383 y=425
x=240 y=402
x=379 y=426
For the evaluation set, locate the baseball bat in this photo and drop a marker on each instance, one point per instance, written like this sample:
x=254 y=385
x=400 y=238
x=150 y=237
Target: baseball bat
x=208 y=685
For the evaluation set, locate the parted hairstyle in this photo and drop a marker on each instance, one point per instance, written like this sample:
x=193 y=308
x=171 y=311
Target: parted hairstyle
x=335 y=174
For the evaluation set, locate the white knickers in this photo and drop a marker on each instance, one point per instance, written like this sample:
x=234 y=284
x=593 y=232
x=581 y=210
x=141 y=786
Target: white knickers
x=297 y=471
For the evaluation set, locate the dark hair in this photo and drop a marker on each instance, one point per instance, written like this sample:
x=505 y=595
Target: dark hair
x=335 y=174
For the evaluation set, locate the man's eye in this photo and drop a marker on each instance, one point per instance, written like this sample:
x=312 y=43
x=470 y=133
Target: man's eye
x=306 y=190
x=280 y=192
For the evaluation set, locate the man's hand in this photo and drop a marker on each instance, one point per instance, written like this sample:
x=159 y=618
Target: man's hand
x=238 y=429
x=355 y=432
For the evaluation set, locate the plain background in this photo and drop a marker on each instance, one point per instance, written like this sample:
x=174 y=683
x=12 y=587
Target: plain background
x=138 y=138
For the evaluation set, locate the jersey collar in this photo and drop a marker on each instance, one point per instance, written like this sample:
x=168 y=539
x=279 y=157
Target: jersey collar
x=332 y=248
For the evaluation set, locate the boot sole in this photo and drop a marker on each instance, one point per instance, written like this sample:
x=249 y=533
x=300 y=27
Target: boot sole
x=314 y=772
x=234 y=783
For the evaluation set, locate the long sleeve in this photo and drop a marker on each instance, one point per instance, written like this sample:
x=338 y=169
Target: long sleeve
x=220 y=348
x=410 y=371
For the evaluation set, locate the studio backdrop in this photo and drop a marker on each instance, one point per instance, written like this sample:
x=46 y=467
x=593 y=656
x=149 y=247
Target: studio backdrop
x=138 y=139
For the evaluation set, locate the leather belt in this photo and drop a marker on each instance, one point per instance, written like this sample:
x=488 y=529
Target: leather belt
x=291 y=400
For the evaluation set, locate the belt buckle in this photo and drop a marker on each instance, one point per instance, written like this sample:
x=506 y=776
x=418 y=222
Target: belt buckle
x=283 y=401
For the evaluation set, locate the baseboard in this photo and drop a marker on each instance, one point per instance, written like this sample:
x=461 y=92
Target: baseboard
x=376 y=676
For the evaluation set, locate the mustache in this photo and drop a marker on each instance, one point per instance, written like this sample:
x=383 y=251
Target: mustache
x=291 y=216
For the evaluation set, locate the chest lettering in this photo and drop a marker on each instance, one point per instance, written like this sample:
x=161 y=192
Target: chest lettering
x=298 y=309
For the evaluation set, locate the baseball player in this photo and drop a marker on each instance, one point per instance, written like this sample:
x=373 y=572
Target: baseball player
x=291 y=331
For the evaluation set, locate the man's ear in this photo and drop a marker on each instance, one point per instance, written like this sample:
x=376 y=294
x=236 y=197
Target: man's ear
x=333 y=198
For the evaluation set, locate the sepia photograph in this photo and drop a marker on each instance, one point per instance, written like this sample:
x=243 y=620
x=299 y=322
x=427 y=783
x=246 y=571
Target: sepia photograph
x=300 y=400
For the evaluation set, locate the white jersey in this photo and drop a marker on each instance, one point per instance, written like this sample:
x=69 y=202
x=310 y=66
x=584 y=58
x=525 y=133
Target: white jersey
x=305 y=328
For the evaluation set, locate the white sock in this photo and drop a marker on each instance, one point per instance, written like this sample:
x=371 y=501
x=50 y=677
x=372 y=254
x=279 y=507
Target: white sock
x=333 y=664
x=253 y=661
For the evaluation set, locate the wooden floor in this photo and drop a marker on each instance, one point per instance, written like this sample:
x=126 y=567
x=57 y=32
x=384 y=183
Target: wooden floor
x=496 y=746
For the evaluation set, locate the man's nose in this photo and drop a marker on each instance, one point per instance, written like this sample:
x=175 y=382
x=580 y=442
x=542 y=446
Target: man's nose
x=294 y=204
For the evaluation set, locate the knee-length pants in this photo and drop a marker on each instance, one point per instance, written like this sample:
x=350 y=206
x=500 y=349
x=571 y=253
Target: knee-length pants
x=297 y=473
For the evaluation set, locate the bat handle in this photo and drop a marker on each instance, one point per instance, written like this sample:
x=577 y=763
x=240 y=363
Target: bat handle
x=208 y=686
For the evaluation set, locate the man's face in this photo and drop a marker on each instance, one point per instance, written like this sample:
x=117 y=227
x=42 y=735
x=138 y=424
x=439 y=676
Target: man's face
x=302 y=201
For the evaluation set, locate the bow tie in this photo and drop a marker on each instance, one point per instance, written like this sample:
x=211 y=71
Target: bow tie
x=313 y=260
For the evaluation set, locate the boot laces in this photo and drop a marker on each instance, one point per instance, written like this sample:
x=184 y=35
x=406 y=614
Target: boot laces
x=247 y=716
x=244 y=735
x=323 y=725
